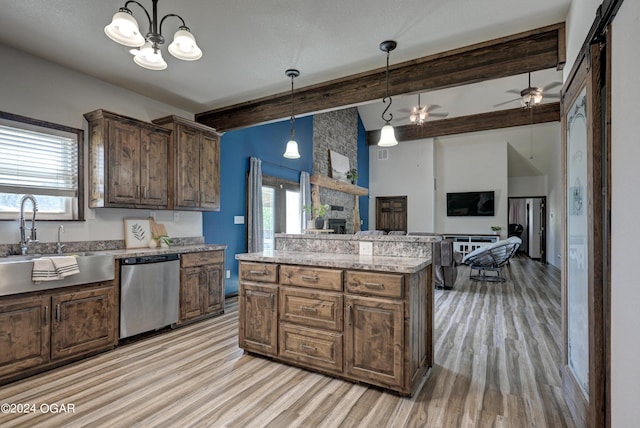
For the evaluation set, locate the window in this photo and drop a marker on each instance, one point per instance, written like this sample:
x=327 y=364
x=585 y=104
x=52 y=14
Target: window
x=41 y=159
x=280 y=208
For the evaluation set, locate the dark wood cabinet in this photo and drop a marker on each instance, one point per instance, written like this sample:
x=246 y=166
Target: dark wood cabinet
x=83 y=321
x=201 y=285
x=195 y=164
x=24 y=333
x=41 y=330
x=258 y=318
x=128 y=162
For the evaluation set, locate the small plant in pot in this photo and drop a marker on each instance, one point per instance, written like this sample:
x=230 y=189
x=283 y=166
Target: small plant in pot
x=318 y=214
x=352 y=175
x=496 y=229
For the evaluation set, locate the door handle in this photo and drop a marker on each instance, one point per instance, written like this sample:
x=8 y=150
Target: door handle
x=348 y=314
x=273 y=301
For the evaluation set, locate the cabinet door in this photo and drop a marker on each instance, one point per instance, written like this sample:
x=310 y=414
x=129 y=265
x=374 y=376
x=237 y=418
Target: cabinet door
x=213 y=289
x=24 y=333
x=187 y=178
x=210 y=172
x=374 y=340
x=258 y=318
x=153 y=168
x=124 y=163
x=190 y=293
x=83 y=321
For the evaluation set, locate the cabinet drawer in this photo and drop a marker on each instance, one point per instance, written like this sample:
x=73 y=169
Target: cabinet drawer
x=262 y=272
x=313 y=348
x=202 y=258
x=311 y=308
x=377 y=284
x=326 y=279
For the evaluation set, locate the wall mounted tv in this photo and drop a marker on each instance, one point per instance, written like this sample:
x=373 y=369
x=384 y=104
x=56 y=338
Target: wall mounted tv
x=471 y=204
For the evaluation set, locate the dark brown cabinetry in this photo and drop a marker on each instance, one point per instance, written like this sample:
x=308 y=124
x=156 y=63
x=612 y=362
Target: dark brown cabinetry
x=195 y=164
x=41 y=330
x=128 y=162
x=364 y=326
x=201 y=285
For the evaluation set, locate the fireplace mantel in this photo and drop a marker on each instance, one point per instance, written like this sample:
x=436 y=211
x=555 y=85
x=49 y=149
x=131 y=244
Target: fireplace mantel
x=340 y=186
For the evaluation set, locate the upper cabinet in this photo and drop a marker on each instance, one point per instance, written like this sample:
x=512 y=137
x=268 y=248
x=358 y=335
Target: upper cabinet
x=195 y=164
x=172 y=163
x=128 y=162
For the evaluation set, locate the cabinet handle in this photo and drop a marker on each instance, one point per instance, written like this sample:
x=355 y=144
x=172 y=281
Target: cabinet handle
x=46 y=315
x=258 y=272
x=58 y=312
x=308 y=309
x=273 y=300
x=373 y=285
x=144 y=192
x=137 y=192
x=313 y=278
x=348 y=314
x=307 y=347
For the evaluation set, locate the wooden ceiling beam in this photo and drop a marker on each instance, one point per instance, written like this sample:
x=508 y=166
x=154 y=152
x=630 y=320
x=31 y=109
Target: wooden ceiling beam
x=533 y=50
x=478 y=122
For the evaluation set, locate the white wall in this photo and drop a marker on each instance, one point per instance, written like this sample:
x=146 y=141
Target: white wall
x=42 y=90
x=466 y=163
x=581 y=16
x=407 y=171
x=528 y=186
x=554 y=208
x=625 y=230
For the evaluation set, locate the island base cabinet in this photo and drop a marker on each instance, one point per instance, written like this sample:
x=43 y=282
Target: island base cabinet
x=83 y=322
x=374 y=348
x=258 y=322
x=24 y=333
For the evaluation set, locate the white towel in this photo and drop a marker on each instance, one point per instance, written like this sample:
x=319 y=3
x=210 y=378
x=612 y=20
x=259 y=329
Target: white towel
x=43 y=270
x=65 y=266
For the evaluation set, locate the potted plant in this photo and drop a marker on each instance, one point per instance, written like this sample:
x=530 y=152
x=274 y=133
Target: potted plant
x=496 y=229
x=352 y=175
x=318 y=214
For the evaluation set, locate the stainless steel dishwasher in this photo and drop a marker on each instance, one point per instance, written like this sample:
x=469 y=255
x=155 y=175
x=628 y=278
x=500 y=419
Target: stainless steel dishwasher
x=149 y=292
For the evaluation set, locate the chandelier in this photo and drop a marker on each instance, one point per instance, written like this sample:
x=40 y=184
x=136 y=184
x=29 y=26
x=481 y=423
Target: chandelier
x=124 y=29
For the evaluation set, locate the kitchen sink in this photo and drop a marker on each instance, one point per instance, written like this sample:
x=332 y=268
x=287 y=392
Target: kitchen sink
x=15 y=272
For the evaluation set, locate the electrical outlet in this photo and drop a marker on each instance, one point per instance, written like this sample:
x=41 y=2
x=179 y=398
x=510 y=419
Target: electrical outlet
x=227 y=274
x=176 y=216
x=238 y=219
x=366 y=248
x=152 y=214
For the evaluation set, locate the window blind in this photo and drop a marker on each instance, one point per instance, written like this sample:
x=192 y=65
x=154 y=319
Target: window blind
x=37 y=163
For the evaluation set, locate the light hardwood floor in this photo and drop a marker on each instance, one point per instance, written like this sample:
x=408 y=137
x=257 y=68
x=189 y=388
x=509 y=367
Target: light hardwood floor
x=497 y=354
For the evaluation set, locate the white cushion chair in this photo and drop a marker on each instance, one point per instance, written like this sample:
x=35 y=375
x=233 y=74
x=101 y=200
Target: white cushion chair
x=491 y=259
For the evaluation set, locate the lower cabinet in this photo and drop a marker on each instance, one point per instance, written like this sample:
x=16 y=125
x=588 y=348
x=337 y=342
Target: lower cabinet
x=362 y=326
x=44 y=329
x=201 y=285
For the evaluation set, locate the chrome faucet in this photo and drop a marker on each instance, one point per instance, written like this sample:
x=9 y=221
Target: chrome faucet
x=59 y=246
x=24 y=241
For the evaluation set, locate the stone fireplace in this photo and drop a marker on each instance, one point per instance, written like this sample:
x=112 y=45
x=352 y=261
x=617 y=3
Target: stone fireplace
x=338 y=225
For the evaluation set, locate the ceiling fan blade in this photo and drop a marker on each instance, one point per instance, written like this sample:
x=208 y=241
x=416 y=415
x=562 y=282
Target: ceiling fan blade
x=555 y=96
x=551 y=86
x=433 y=107
x=404 y=110
x=438 y=114
x=514 y=91
x=506 y=102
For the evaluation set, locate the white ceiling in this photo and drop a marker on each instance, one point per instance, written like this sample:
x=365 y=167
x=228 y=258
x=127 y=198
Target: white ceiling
x=248 y=44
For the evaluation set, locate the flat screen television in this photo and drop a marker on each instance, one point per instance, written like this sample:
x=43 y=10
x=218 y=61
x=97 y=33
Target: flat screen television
x=470 y=204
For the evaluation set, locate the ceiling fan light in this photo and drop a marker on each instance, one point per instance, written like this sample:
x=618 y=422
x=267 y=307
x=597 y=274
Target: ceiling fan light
x=150 y=58
x=292 y=150
x=387 y=136
x=123 y=29
x=184 y=46
x=413 y=117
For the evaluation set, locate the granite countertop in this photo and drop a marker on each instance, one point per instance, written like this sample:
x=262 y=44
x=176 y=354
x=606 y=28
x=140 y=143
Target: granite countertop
x=342 y=261
x=179 y=249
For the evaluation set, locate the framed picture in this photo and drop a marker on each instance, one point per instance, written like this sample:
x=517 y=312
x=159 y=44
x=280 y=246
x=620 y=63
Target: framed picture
x=339 y=166
x=137 y=232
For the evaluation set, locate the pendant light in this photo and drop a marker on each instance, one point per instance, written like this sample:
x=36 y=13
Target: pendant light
x=292 y=146
x=387 y=133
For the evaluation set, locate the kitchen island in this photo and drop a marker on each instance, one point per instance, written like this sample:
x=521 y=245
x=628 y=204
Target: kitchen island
x=361 y=318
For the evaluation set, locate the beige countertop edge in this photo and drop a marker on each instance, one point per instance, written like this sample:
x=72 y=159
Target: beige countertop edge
x=139 y=252
x=342 y=261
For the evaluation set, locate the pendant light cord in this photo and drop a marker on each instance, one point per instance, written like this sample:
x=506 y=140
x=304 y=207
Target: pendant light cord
x=384 y=100
x=292 y=131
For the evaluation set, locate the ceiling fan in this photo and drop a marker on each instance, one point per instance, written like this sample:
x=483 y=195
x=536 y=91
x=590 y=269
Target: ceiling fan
x=419 y=114
x=531 y=96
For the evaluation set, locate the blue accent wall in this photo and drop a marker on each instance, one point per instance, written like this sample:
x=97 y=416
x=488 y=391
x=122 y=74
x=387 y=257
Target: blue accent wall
x=266 y=142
